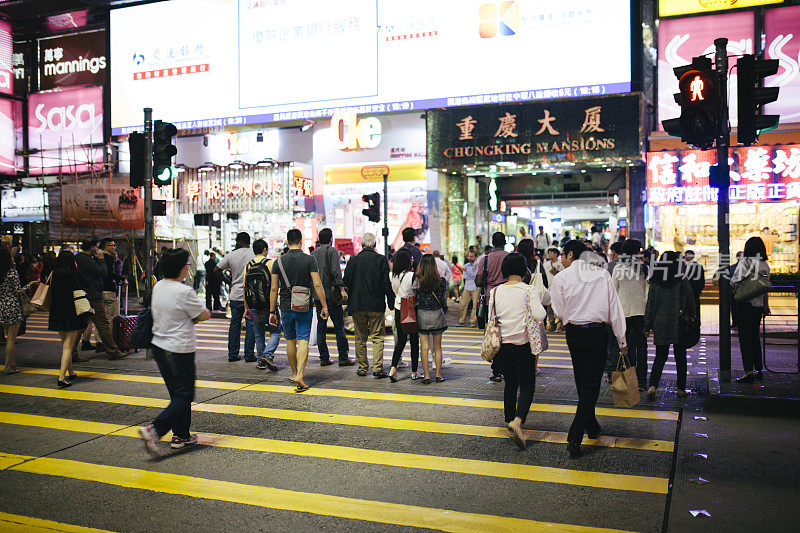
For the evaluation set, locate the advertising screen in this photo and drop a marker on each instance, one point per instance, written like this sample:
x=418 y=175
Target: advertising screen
x=670 y=8
x=7 y=138
x=783 y=44
x=233 y=62
x=6 y=50
x=75 y=59
x=26 y=205
x=679 y=40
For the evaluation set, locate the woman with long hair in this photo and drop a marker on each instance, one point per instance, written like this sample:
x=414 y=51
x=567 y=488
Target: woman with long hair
x=430 y=299
x=10 y=307
x=402 y=283
x=748 y=313
x=630 y=280
x=669 y=295
x=63 y=317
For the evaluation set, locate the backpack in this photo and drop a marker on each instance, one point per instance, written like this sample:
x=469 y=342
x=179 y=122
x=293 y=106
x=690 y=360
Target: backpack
x=257 y=285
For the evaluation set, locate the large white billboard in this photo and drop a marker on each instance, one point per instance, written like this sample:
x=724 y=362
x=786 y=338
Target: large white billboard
x=202 y=63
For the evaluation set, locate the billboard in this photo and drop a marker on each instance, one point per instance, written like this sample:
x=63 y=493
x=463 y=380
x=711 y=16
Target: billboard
x=101 y=206
x=26 y=205
x=679 y=40
x=74 y=59
x=62 y=126
x=6 y=64
x=234 y=62
x=671 y=8
x=7 y=137
x=783 y=43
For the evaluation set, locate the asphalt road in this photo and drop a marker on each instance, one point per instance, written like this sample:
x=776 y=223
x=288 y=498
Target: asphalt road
x=351 y=453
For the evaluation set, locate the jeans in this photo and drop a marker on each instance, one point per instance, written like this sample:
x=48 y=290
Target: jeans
x=637 y=346
x=587 y=348
x=264 y=349
x=297 y=326
x=662 y=351
x=235 y=331
x=370 y=324
x=748 y=319
x=199 y=279
x=178 y=371
x=337 y=317
x=519 y=371
x=400 y=345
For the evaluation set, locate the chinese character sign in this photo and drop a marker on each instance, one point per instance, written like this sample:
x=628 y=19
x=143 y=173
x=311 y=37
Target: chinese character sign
x=251 y=189
x=757 y=173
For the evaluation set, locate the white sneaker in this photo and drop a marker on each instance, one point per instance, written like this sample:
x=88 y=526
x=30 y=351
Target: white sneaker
x=179 y=443
x=403 y=364
x=446 y=362
x=150 y=439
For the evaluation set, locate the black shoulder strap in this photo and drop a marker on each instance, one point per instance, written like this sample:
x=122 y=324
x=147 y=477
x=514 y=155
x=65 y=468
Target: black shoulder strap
x=485 y=272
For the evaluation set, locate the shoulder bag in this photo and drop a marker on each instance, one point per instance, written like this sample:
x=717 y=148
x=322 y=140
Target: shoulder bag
x=688 y=323
x=537 y=332
x=82 y=305
x=25 y=303
x=751 y=287
x=537 y=282
x=491 y=336
x=300 y=296
x=483 y=308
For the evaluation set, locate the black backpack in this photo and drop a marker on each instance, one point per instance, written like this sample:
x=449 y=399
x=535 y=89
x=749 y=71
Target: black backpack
x=257 y=286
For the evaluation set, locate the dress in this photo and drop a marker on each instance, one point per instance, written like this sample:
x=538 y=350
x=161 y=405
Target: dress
x=10 y=308
x=62 y=304
x=431 y=308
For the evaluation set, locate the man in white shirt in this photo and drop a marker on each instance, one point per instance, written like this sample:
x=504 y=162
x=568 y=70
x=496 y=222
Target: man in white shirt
x=552 y=266
x=443 y=267
x=586 y=300
x=541 y=242
x=236 y=262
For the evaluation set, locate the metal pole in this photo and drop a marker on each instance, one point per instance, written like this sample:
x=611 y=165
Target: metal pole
x=149 y=223
x=386 y=215
x=723 y=210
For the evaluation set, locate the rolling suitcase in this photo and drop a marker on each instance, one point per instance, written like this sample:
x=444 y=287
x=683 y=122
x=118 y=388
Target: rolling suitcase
x=124 y=324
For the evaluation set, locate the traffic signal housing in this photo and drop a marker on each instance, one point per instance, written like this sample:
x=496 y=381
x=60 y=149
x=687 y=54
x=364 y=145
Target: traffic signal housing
x=136 y=148
x=163 y=151
x=373 y=210
x=698 y=124
x=751 y=72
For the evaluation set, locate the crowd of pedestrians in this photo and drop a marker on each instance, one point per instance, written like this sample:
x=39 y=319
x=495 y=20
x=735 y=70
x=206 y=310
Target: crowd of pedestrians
x=607 y=298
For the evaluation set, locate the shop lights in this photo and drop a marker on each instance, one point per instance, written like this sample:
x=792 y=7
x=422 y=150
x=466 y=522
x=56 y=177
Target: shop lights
x=206 y=167
x=307 y=126
x=180 y=168
x=583 y=171
x=265 y=163
x=236 y=165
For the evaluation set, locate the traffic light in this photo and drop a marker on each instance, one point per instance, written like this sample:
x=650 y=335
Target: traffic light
x=373 y=210
x=163 y=151
x=751 y=72
x=698 y=124
x=136 y=147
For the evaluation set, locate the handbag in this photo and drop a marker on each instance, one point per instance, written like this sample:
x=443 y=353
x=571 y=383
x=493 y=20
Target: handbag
x=25 y=304
x=142 y=334
x=537 y=332
x=688 y=324
x=491 y=336
x=483 y=308
x=300 y=296
x=751 y=287
x=408 y=313
x=41 y=298
x=537 y=281
x=625 y=384
x=81 y=301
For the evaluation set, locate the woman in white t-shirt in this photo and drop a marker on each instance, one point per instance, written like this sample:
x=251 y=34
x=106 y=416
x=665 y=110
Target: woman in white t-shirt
x=176 y=309
x=514 y=302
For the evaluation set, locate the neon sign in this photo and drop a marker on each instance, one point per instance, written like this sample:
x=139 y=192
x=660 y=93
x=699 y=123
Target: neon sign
x=350 y=133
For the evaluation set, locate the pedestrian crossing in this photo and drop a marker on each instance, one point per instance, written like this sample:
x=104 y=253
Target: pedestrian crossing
x=336 y=457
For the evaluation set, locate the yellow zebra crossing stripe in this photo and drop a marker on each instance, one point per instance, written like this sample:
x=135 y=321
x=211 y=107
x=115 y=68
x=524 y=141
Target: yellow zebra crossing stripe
x=288 y=500
x=377 y=457
x=25 y=524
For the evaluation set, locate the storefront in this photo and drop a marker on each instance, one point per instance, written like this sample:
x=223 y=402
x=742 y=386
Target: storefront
x=764 y=201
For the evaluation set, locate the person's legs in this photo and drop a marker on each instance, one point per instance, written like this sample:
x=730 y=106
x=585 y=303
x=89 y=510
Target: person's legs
x=525 y=370
x=756 y=336
x=217 y=300
x=288 y=324
x=361 y=325
x=424 y=339
x=462 y=317
x=637 y=347
x=400 y=345
x=103 y=326
x=588 y=349
x=322 y=332
x=662 y=351
x=414 y=351
x=437 y=351
x=337 y=317
x=11 y=345
x=302 y=359
x=612 y=352
x=86 y=335
x=550 y=319
x=274 y=341
x=178 y=371
x=110 y=304
x=377 y=332
x=235 y=329
x=680 y=365
x=511 y=385
x=67 y=344
x=249 y=339
x=260 y=334
x=302 y=326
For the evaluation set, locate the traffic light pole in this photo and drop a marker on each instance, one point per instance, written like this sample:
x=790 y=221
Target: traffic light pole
x=723 y=210
x=149 y=223
x=386 y=215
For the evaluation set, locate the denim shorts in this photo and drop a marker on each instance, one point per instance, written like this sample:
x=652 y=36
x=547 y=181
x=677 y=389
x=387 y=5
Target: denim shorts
x=296 y=326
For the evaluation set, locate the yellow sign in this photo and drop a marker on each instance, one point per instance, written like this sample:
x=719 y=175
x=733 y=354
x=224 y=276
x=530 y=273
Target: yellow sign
x=370 y=172
x=671 y=8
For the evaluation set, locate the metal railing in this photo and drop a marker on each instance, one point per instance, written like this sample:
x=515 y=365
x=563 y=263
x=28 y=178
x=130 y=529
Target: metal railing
x=785 y=290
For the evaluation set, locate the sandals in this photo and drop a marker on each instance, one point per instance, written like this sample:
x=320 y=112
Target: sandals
x=302 y=388
x=10 y=370
x=439 y=379
x=393 y=376
x=426 y=381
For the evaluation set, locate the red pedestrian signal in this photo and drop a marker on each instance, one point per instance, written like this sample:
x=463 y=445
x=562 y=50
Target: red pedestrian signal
x=373 y=210
x=698 y=124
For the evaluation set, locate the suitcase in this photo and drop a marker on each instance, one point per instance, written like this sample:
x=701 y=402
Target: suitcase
x=124 y=324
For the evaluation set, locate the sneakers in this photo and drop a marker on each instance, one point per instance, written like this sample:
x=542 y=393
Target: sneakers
x=150 y=439
x=178 y=443
x=403 y=364
x=446 y=362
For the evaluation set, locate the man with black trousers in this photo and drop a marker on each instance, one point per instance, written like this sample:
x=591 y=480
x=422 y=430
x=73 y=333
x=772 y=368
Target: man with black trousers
x=213 y=284
x=695 y=274
x=585 y=298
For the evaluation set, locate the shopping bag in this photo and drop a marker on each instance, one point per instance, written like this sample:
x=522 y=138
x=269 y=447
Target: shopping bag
x=491 y=336
x=625 y=384
x=408 y=315
x=312 y=340
x=41 y=298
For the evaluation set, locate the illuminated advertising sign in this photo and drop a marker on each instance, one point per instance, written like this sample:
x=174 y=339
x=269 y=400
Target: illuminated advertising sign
x=20 y=74
x=758 y=174
x=6 y=62
x=101 y=206
x=783 y=43
x=351 y=133
x=581 y=130
x=679 y=40
x=26 y=205
x=234 y=62
x=74 y=59
x=671 y=8
x=7 y=137
x=234 y=191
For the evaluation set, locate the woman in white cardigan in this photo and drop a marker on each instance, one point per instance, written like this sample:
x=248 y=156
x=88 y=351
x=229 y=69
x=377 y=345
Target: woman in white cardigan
x=516 y=305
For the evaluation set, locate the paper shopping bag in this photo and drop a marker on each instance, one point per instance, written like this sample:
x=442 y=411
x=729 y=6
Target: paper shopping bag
x=625 y=387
